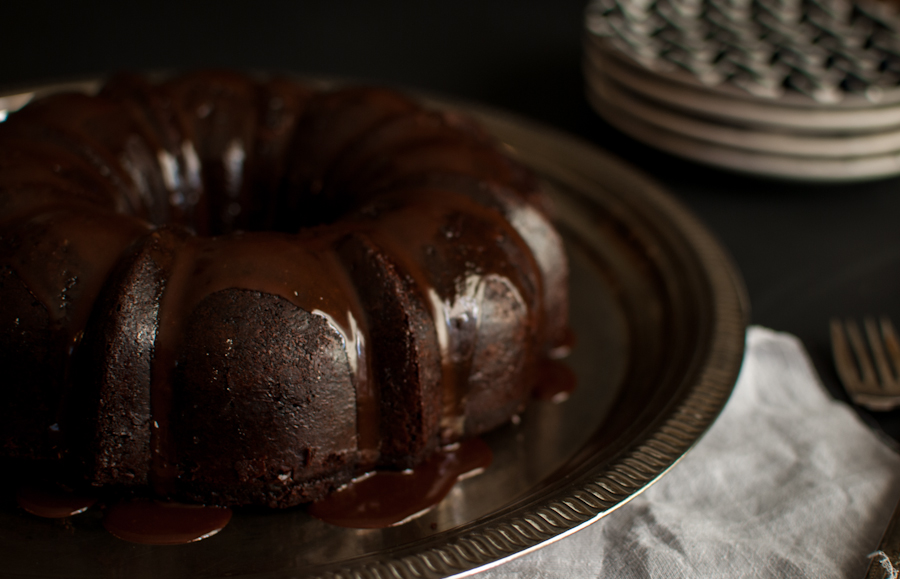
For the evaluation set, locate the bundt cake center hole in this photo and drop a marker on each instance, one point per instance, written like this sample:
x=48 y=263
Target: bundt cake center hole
x=219 y=213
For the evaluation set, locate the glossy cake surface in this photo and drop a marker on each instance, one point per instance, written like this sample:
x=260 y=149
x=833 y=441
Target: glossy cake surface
x=246 y=291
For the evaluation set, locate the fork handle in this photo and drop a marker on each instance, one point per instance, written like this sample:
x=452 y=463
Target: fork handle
x=890 y=546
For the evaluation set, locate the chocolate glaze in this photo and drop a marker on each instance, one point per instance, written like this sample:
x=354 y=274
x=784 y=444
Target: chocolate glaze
x=333 y=123
x=380 y=280
x=182 y=201
x=401 y=332
x=110 y=412
x=52 y=502
x=458 y=252
x=119 y=154
x=71 y=180
x=218 y=112
x=152 y=522
x=387 y=498
x=53 y=266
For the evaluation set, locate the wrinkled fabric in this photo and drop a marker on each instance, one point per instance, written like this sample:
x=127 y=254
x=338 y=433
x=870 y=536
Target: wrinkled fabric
x=787 y=483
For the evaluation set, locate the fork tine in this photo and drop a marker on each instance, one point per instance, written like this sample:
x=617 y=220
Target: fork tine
x=885 y=373
x=853 y=358
x=891 y=345
x=863 y=359
x=843 y=357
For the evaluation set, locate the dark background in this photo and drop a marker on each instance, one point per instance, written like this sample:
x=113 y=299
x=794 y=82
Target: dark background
x=807 y=252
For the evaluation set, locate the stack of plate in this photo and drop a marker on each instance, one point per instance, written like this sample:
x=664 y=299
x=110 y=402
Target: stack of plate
x=802 y=89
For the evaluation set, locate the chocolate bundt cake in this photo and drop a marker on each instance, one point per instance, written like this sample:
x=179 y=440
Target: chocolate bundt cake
x=246 y=291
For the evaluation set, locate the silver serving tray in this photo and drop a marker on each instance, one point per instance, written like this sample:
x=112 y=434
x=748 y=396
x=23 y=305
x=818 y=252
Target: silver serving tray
x=659 y=314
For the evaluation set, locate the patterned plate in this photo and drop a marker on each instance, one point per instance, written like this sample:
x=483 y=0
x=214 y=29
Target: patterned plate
x=815 y=51
x=797 y=115
x=617 y=99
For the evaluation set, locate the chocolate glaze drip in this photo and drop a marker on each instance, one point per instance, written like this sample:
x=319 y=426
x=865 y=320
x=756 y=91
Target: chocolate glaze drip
x=440 y=243
x=152 y=522
x=138 y=520
x=387 y=498
x=163 y=469
x=53 y=502
x=117 y=398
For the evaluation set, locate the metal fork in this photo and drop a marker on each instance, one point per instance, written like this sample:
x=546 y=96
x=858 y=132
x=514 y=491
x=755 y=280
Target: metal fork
x=870 y=371
x=870 y=367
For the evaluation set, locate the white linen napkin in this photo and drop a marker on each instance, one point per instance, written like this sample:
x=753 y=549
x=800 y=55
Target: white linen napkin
x=787 y=483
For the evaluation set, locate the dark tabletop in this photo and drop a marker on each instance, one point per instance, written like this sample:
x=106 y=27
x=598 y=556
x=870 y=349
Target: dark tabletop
x=806 y=252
